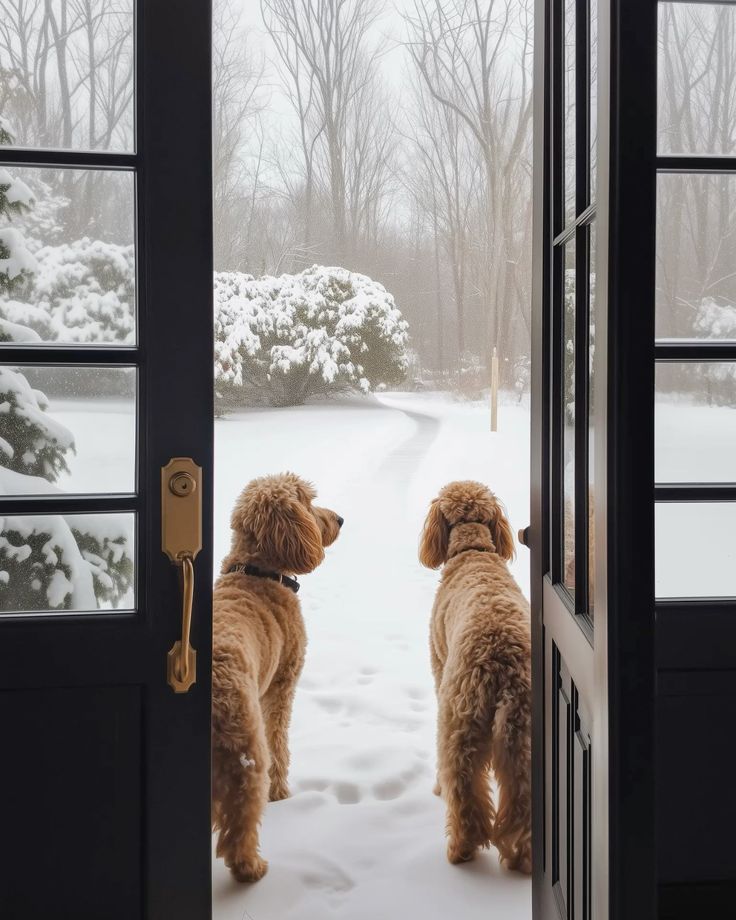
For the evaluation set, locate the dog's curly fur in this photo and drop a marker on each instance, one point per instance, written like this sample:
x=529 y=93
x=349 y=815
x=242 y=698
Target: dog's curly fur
x=481 y=659
x=259 y=643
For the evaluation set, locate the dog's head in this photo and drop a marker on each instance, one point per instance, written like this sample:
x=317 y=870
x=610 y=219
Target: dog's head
x=275 y=522
x=459 y=503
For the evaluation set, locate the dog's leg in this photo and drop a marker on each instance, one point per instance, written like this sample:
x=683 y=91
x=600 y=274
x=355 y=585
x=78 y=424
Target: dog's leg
x=240 y=778
x=464 y=735
x=277 y=706
x=511 y=758
x=437 y=675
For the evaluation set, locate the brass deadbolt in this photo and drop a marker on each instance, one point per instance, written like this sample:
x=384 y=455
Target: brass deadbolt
x=182 y=484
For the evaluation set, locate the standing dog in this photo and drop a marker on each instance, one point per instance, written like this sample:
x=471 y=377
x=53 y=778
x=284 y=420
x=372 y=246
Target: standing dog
x=481 y=659
x=259 y=642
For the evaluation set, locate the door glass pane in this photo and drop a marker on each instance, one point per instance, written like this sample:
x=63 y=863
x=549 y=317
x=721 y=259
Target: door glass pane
x=593 y=99
x=67 y=429
x=695 y=421
x=591 y=422
x=569 y=107
x=568 y=414
x=67 y=71
x=66 y=562
x=697 y=79
x=696 y=256
x=695 y=549
x=67 y=256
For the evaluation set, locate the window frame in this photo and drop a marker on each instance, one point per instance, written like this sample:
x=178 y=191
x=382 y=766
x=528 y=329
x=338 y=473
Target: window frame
x=578 y=601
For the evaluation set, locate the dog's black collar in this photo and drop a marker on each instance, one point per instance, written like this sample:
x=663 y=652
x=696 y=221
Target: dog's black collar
x=246 y=569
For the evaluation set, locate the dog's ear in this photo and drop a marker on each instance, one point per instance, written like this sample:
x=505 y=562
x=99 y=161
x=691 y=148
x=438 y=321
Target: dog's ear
x=501 y=534
x=289 y=535
x=435 y=538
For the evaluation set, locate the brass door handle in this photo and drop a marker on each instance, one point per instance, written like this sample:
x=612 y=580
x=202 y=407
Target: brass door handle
x=181 y=662
x=523 y=536
x=181 y=540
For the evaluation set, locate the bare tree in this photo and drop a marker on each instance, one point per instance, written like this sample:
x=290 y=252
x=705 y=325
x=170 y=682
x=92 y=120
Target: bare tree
x=697 y=114
x=330 y=75
x=474 y=57
x=444 y=179
x=238 y=99
x=67 y=81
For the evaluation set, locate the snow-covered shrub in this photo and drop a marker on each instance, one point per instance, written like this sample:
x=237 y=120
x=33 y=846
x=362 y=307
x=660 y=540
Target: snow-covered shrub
x=570 y=280
x=474 y=377
x=716 y=319
x=86 y=289
x=46 y=561
x=522 y=375
x=296 y=336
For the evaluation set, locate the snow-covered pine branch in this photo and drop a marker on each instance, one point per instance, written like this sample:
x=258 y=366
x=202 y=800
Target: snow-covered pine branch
x=16 y=260
x=296 y=336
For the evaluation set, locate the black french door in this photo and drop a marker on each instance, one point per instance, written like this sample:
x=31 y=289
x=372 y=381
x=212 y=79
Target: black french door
x=104 y=773
x=592 y=533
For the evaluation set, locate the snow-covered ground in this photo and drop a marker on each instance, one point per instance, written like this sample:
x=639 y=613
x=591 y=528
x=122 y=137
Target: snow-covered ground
x=362 y=836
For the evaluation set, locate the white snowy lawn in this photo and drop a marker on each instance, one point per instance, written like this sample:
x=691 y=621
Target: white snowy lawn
x=362 y=836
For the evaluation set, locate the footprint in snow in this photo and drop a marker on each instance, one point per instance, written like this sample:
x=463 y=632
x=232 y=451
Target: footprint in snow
x=327 y=875
x=330 y=704
x=347 y=793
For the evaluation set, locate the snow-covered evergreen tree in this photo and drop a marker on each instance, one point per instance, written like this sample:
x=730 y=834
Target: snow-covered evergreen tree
x=46 y=561
x=320 y=331
x=16 y=261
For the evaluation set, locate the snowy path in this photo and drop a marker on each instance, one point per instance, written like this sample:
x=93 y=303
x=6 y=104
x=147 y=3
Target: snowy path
x=362 y=836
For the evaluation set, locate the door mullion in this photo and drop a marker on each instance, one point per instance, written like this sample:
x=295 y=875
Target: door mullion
x=582 y=286
x=582 y=283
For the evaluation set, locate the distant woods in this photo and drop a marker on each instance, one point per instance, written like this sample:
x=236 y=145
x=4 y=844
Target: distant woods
x=392 y=143
x=389 y=137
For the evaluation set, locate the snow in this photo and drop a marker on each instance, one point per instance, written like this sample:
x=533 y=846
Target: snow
x=694 y=442
x=16 y=192
x=13 y=331
x=105 y=439
x=19 y=258
x=363 y=836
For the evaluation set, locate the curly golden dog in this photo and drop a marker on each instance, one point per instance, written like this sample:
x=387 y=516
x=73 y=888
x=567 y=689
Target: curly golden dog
x=259 y=642
x=481 y=659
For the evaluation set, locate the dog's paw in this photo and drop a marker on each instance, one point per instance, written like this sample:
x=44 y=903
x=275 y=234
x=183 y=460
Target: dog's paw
x=437 y=790
x=278 y=792
x=459 y=852
x=249 y=870
x=519 y=862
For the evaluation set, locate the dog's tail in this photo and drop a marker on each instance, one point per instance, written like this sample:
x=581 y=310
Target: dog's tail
x=512 y=767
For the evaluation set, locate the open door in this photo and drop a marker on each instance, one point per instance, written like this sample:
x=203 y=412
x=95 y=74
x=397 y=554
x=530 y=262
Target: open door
x=104 y=774
x=592 y=532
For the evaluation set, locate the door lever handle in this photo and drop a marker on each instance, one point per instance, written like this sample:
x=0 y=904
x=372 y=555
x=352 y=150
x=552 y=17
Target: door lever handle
x=523 y=536
x=181 y=540
x=181 y=662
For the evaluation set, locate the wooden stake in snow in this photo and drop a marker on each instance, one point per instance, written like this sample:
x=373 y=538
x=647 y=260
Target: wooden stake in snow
x=494 y=390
